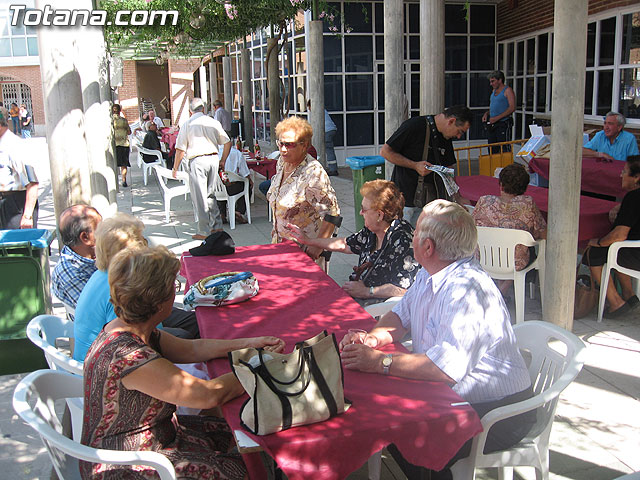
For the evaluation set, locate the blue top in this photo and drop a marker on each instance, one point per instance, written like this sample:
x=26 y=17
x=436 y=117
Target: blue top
x=498 y=103
x=94 y=311
x=328 y=123
x=623 y=146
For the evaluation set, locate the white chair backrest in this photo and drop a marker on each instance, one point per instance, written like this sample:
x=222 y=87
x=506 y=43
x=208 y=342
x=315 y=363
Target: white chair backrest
x=43 y=331
x=219 y=189
x=34 y=400
x=379 y=309
x=497 y=246
x=165 y=174
x=146 y=151
x=274 y=154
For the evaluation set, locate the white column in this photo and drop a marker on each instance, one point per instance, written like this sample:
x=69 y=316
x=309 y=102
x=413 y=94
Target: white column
x=228 y=89
x=202 y=71
x=393 y=70
x=64 y=117
x=315 y=86
x=432 y=55
x=213 y=80
x=570 y=28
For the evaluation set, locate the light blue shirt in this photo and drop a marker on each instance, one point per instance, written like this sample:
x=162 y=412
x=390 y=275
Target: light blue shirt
x=623 y=146
x=94 y=311
x=328 y=123
x=458 y=319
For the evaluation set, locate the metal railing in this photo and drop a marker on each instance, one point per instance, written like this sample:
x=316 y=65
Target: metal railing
x=473 y=154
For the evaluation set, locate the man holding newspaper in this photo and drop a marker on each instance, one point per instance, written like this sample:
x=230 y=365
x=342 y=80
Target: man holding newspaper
x=423 y=145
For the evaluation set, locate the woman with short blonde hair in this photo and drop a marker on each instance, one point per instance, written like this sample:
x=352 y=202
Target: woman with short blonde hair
x=115 y=234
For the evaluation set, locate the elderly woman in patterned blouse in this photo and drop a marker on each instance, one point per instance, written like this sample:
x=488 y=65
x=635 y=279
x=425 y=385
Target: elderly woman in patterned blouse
x=300 y=191
x=386 y=266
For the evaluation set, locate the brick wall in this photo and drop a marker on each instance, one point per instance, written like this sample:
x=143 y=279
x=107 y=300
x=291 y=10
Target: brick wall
x=128 y=92
x=533 y=15
x=181 y=87
x=30 y=75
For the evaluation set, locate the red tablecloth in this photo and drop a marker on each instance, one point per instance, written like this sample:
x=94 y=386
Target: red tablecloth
x=597 y=176
x=170 y=139
x=296 y=301
x=594 y=212
x=266 y=168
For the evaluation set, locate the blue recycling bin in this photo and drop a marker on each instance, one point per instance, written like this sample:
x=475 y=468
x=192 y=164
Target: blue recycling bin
x=364 y=169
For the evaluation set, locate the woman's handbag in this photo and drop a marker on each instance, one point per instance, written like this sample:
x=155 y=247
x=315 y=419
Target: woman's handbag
x=221 y=289
x=288 y=390
x=586 y=297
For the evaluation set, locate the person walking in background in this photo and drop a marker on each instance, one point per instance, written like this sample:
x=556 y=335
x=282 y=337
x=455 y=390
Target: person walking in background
x=15 y=118
x=4 y=112
x=26 y=121
x=222 y=116
x=330 y=131
x=497 y=119
x=198 y=140
x=121 y=132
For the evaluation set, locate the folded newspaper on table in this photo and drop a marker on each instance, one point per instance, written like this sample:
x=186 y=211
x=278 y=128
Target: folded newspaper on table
x=447 y=178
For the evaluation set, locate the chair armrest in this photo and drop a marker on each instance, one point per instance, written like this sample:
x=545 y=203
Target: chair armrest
x=615 y=246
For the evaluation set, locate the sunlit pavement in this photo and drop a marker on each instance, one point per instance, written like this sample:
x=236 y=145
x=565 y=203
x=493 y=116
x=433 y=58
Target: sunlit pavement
x=595 y=434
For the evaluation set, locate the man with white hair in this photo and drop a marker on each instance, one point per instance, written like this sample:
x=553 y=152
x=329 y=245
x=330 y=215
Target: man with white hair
x=224 y=117
x=154 y=119
x=198 y=140
x=612 y=143
x=460 y=330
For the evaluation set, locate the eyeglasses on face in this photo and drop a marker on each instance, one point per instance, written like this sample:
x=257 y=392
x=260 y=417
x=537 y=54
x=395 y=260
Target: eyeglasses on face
x=288 y=145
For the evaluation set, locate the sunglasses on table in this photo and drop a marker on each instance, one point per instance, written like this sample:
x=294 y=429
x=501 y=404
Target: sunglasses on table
x=289 y=145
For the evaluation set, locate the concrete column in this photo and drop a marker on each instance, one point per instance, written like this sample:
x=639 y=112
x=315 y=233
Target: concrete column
x=275 y=103
x=213 y=80
x=570 y=25
x=94 y=76
x=315 y=87
x=64 y=117
x=432 y=55
x=247 y=98
x=228 y=89
x=202 y=71
x=393 y=70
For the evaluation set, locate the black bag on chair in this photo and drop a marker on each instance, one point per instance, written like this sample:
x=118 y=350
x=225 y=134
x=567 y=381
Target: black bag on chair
x=430 y=187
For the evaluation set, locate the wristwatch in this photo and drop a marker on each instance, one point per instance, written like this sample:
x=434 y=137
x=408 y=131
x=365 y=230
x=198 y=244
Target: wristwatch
x=371 y=291
x=386 y=363
x=27 y=217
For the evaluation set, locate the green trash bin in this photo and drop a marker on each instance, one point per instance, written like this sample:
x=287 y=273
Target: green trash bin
x=364 y=169
x=24 y=293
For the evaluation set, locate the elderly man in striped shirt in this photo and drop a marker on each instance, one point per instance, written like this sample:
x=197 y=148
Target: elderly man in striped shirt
x=460 y=329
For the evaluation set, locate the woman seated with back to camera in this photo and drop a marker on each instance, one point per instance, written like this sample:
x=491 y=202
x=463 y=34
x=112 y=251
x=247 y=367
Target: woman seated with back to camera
x=386 y=267
x=512 y=209
x=132 y=386
x=300 y=192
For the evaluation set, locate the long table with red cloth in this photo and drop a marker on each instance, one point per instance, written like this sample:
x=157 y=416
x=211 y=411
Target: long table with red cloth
x=296 y=301
x=594 y=212
x=265 y=167
x=598 y=176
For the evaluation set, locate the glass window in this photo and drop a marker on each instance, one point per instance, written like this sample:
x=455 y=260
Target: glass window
x=479 y=90
x=501 y=57
x=17 y=30
x=483 y=18
x=455 y=19
x=413 y=18
x=333 y=92
x=455 y=89
x=381 y=138
x=415 y=91
x=588 y=93
x=301 y=55
x=607 y=41
x=482 y=53
x=5 y=47
x=510 y=68
x=359 y=129
x=358 y=16
x=257 y=95
x=520 y=61
x=541 y=97
x=414 y=47
x=332 y=54
x=543 y=45
x=605 y=87
x=630 y=93
x=338 y=119
x=380 y=81
x=528 y=120
x=333 y=8
x=19 y=46
x=379 y=11
x=531 y=56
x=529 y=100
x=257 y=64
x=455 y=52
x=519 y=92
x=359 y=91
x=4 y=26
x=379 y=47
x=267 y=129
x=477 y=131
x=630 y=52
x=517 y=128
x=591 y=44
x=358 y=53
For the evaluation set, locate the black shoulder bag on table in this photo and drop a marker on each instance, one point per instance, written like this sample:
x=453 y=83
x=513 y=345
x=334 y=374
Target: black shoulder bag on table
x=427 y=191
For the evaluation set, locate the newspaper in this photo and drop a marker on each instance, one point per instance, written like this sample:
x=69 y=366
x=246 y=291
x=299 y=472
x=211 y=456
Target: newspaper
x=447 y=178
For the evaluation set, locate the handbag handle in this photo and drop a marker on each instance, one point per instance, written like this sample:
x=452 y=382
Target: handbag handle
x=269 y=379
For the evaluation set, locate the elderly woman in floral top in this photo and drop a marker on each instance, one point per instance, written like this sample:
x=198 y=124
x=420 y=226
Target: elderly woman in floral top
x=386 y=266
x=300 y=191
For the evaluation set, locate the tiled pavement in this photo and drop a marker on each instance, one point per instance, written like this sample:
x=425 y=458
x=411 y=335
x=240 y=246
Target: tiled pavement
x=595 y=435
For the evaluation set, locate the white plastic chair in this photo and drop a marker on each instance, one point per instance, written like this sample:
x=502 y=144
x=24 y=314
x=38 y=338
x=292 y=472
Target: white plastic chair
x=497 y=248
x=377 y=310
x=43 y=331
x=555 y=357
x=165 y=175
x=223 y=196
x=148 y=166
x=34 y=400
x=612 y=263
